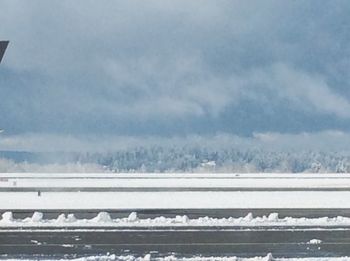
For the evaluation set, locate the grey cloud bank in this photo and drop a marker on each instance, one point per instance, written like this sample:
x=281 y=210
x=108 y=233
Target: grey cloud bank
x=173 y=69
x=327 y=141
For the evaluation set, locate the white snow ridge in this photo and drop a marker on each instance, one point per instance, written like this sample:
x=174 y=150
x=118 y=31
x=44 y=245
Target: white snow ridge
x=104 y=219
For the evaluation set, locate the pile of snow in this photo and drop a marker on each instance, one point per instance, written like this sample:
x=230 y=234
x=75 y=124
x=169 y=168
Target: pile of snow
x=70 y=218
x=61 y=218
x=315 y=242
x=37 y=217
x=273 y=217
x=104 y=219
x=7 y=217
x=182 y=219
x=132 y=217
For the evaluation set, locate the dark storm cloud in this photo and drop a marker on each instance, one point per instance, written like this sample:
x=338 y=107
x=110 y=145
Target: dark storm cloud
x=175 y=67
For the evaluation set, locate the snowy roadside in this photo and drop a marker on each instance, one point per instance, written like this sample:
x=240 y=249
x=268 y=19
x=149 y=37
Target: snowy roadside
x=103 y=219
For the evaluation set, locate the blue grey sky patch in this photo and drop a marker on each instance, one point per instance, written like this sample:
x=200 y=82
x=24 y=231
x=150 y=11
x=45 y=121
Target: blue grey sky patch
x=164 y=68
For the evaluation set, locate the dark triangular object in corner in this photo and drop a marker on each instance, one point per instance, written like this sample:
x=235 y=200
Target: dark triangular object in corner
x=3 y=46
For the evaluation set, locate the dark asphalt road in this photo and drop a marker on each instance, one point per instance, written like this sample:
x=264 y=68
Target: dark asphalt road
x=184 y=242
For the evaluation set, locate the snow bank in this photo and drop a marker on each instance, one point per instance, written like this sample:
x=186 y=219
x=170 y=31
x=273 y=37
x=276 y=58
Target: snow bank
x=104 y=219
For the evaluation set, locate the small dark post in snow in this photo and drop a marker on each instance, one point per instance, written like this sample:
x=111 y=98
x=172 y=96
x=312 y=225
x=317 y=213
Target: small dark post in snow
x=39 y=193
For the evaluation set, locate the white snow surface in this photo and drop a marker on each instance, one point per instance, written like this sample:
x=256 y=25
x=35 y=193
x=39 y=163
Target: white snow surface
x=103 y=219
x=153 y=199
x=175 y=200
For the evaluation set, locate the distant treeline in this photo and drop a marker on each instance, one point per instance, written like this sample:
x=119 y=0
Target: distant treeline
x=180 y=159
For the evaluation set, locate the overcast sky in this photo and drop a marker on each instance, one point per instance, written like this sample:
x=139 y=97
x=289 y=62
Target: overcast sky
x=174 y=68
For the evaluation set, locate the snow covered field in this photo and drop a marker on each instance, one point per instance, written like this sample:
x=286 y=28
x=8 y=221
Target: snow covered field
x=265 y=191
x=173 y=200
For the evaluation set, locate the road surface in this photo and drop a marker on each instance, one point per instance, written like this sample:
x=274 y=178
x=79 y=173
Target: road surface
x=182 y=242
